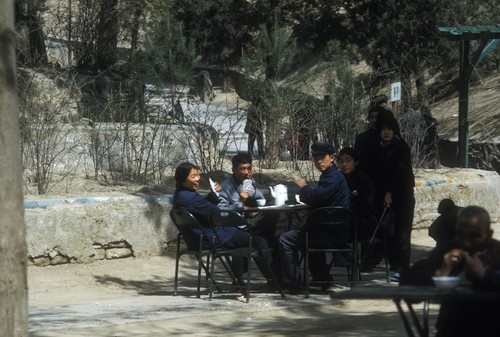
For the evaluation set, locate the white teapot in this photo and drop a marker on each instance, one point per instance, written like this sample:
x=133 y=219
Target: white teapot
x=280 y=194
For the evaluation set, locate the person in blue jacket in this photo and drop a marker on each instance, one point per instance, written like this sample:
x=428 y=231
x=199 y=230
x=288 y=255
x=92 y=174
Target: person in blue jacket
x=236 y=196
x=331 y=190
x=187 y=177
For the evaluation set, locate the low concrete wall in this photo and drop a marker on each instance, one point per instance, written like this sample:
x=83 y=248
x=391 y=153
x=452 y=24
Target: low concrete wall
x=464 y=186
x=96 y=228
x=85 y=229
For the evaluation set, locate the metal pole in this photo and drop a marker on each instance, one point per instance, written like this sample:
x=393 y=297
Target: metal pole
x=463 y=104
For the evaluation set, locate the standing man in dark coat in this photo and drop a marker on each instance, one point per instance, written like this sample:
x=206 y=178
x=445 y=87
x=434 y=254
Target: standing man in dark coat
x=254 y=127
x=367 y=143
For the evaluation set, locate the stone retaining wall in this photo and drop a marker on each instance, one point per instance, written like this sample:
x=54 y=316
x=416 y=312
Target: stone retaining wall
x=464 y=186
x=85 y=229
x=96 y=228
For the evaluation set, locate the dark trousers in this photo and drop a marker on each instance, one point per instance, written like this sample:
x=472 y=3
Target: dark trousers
x=293 y=242
x=470 y=318
x=252 y=137
x=399 y=243
x=264 y=225
x=241 y=239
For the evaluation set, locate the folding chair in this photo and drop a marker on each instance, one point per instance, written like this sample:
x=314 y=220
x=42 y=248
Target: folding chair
x=229 y=218
x=379 y=235
x=341 y=221
x=199 y=246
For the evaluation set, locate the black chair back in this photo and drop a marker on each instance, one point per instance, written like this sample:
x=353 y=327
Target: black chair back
x=338 y=222
x=334 y=231
x=226 y=218
x=186 y=223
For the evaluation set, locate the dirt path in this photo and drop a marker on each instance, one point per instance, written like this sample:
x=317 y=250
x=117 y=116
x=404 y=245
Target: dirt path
x=133 y=297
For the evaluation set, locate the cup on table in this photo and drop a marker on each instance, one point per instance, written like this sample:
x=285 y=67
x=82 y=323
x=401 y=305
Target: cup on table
x=261 y=202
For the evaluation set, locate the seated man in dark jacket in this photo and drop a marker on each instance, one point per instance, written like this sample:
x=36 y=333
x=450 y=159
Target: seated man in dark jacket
x=332 y=190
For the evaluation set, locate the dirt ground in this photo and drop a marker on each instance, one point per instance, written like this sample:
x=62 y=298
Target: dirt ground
x=134 y=297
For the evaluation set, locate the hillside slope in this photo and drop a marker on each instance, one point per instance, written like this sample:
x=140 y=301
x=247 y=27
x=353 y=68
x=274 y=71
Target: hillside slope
x=484 y=112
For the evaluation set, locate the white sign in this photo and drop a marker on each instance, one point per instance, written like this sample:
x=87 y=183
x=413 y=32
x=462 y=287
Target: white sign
x=395 y=91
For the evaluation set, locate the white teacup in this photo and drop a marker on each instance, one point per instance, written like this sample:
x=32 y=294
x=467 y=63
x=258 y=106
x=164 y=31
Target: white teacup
x=261 y=202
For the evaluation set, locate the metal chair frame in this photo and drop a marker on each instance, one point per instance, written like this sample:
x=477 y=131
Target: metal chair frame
x=335 y=216
x=185 y=221
x=230 y=218
x=375 y=237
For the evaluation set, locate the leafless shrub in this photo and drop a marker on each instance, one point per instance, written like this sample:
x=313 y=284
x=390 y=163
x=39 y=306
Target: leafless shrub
x=45 y=136
x=420 y=133
x=209 y=132
x=139 y=152
x=484 y=150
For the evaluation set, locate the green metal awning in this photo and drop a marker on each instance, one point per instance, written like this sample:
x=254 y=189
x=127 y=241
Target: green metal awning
x=488 y=37
x=470 y=32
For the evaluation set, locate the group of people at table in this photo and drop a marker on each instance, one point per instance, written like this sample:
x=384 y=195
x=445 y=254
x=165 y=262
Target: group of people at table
x=377 y=172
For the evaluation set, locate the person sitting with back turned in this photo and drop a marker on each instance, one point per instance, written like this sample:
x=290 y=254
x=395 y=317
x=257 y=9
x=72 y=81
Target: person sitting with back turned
x=332 y=190
x=442 y=230
x=187 y=177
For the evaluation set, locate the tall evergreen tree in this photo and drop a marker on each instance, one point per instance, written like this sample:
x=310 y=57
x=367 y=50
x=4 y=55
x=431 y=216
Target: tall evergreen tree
x=401 y=36
x=219 y=28
x=172 y=54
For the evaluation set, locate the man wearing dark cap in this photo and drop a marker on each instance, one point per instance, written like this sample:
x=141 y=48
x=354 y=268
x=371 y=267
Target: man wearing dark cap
x=331 y=190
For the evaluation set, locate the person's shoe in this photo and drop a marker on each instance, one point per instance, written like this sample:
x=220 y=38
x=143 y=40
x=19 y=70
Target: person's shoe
x=394 y=276
x=269 y=287
x=323 y=283
x=238 y=285
x=295 y=290
x=367 y=268
x=292 y=289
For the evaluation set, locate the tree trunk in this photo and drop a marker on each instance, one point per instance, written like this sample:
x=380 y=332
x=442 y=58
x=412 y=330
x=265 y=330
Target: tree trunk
x=272 y=115
x=406 y=92
x=107 y=38
x=431 y=139
x=13 y=283
x=134 y=36
x=32 y=42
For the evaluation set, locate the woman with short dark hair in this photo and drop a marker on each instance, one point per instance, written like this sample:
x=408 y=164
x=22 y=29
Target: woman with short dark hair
x=394 y=182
